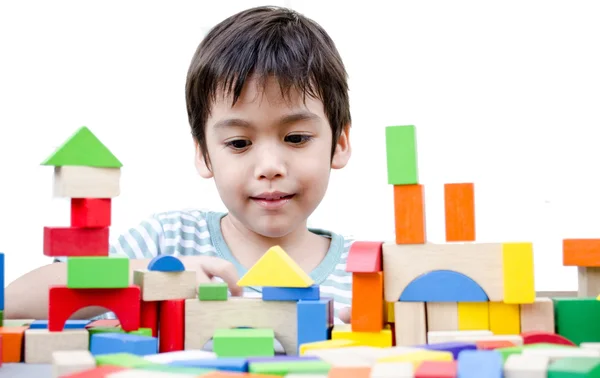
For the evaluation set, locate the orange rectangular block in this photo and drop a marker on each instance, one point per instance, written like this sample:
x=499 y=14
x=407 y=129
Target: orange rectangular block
x=367 y=302
x=349 y=372
x=12 y=343
x=459 y=203
x=494 y=344
x=409 y=214
x=581 y=252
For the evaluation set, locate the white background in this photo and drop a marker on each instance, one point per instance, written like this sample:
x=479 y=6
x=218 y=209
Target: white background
x=503 y=94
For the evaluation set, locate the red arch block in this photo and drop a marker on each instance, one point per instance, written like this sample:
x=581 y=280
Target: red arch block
x=125 y=303
x=537 y=337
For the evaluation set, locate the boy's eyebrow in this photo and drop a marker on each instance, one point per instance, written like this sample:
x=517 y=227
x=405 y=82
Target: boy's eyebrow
x=287 y=119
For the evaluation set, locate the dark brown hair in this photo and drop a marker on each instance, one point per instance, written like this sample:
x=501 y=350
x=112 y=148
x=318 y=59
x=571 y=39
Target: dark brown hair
x=267 y=41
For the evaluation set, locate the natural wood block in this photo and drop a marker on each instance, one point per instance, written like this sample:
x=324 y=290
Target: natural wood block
x=86 y=182
x=588 y=279
x=442 y=316
x=162 y=286
x=410 y=325
x=72 y=361
x=538 y=316
x=202 y=318
x=41 y=343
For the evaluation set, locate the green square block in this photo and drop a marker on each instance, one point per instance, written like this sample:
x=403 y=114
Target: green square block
x=244 y=342
x=577 y=319
x=290 y=367
x=574 y=367
x=212 y=291
x=506 y=352
x=126 y=360
x=401 y=153
x=97 y=272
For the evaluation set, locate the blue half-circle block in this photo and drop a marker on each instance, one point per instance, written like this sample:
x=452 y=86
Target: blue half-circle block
x=443 y=286
x=166 y=263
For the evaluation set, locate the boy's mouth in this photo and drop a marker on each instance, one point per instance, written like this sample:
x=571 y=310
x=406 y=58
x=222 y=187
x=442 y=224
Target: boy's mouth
x=272 y=201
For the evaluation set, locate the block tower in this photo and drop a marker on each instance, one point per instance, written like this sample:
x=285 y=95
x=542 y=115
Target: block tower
x=89 y=174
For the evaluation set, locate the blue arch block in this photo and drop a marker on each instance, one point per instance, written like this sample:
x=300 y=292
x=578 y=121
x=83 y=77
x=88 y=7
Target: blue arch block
x=443 y=286
x=166 y=263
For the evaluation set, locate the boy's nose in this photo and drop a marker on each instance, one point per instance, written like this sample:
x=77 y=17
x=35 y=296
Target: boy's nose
x=270 y=166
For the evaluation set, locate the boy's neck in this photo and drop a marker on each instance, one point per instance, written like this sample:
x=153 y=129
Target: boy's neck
x=306 y=248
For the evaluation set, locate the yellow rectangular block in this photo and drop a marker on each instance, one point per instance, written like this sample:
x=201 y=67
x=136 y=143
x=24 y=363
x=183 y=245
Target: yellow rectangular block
x=518 y=273
x=505 y=318
x=417 y=358
x=382 y=339
x=388 y=312
x=326 y=344
x=473 y=316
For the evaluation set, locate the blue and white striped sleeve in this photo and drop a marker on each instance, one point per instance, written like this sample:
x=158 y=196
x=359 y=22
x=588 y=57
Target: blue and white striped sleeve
x=140 y=242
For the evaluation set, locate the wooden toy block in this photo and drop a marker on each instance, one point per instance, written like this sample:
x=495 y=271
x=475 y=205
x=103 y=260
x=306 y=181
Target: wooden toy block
x=17 y=322
x=391 y=370
x=454 y=347
x=63 y=302
x=577 y=319
x=493 y=344
x=418 y=357
x=364 y=257
x=69 y=324
x=1 y=318
x=480 y=363
x=313 y=320
x=518 y=273
x=0 y=350
x=306 y=349
x=436 y=369
x=276 y=268
x=229 y=365
x=459 y=205
x=171 y=323
x=180 y=355
x=12 y=343
x=163 y=286
x=409 y=214
x=367 y=302
x=381 y=339
x=97 y=272
x=213 y=291
x=311 y=293
x=175 y=371
x=83 y=148
x=505 y=318
x=538 y=316
x=41 y=343
x=574 y=367
x=388 y=312
x=410 y=323
x=87 y=182
x=473 y=316
x=111 y=343
x=102 y=323
x=356 y=372
x=401 y=155
x=91 y=212
x=541 y=337
x=581 y=252
x=526 y=366
x=442 y=316
x=166 y=263
x=443 y=286
x=71 y=361
x=244 y=342
x=471 y=337
x=290 y=367
x=202 y=318
x=2 y=283
x=71 y=241
x=554 y=354
x=482 y=262
x=588 y=279
x=97 y=372
x=125 y=360
x=145 y=373
x=149 y=316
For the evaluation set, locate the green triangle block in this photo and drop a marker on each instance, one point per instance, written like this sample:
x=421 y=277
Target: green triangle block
x=83 y=149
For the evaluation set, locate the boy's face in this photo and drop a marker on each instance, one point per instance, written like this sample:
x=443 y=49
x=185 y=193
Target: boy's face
x=270 y=157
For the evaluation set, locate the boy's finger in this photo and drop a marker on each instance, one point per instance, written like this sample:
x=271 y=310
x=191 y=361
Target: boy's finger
x=344 y=315
x=227 y=272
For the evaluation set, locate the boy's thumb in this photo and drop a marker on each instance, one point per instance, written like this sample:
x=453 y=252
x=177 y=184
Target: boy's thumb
x=344 y=315
x=225 y=271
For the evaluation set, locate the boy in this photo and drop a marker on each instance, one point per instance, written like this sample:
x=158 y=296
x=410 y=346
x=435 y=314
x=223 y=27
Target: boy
x=267 y=101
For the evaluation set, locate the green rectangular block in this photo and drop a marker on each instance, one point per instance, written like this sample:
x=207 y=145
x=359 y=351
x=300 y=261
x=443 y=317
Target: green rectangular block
x=97 y=272
x=401 y=153
x=126 y=360
x=244 y=342
x=212 y=291
x=290 y=367
x=577 y=319
x=573 y=367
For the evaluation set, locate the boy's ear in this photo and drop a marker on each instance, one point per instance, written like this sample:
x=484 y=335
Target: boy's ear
x=343 y=149
x=201 y=164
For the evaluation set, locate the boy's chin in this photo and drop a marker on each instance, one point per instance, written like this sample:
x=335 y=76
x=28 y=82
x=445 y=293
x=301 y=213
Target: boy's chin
x=273 y=228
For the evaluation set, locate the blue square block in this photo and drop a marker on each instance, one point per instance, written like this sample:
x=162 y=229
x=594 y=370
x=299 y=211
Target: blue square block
x=291 y=293
x=110 y=343
x=314 y=320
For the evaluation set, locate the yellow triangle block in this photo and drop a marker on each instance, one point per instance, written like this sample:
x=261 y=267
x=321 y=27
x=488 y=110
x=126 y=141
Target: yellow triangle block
x=276 y=269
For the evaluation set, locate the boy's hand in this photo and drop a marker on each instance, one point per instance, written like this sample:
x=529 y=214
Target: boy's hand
x=208 y=267
x=344 y=315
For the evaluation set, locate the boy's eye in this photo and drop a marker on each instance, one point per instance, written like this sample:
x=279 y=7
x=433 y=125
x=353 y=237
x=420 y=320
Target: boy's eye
x=238 y=143
x=297 y=138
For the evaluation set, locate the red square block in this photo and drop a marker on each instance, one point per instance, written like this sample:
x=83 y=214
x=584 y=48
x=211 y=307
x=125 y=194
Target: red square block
x=74 y=241
x=90 y=212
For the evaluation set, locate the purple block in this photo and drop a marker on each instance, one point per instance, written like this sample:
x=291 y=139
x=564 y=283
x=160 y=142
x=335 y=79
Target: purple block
x=451 y=346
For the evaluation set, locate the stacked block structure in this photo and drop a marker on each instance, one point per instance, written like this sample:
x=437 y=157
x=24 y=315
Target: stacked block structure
x=461 y=308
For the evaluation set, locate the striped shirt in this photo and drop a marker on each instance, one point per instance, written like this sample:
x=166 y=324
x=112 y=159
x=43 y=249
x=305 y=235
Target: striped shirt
x=198 y=233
